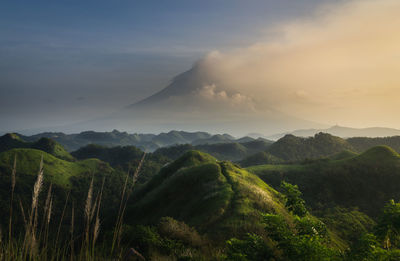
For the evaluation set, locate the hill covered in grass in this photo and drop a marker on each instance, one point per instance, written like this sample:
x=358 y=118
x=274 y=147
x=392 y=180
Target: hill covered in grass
x=57 y=171
x=124 y=158
x=292 y=148
x=215 y=197
x=12 y=141
x=366 y=181
x=66 y=178
x=233 y=151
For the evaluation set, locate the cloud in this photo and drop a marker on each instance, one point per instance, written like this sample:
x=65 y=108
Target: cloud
x=212 y=94
x=342 y=65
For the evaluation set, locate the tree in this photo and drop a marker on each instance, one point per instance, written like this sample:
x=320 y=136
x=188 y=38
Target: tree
x=388 y=227
x=294 y=202
x=251 y=248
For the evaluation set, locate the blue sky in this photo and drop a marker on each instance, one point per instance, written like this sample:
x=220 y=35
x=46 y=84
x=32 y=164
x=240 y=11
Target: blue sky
x=65 y=61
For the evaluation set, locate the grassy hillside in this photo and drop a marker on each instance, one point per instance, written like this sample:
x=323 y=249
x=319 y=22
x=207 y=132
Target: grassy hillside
x=52 y=147
x=260 y=158
x=218 y=198
x=292 y=148
x=12 y=141
x=366 y=181
x=124 y=158
x=57 y=171
x=233 y=151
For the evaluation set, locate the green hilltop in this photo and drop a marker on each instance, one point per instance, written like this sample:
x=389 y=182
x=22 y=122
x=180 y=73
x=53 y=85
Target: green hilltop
x=12 y=141
x=218 y=198
x=56 y=170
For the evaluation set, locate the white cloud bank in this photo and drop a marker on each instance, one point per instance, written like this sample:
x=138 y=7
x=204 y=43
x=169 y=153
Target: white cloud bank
x=341 y=66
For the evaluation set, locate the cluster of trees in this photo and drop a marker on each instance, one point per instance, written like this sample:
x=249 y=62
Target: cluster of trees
x=307 y=239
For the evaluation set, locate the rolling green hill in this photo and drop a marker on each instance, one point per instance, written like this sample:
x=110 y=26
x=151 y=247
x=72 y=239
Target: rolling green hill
x=12 y=141
x=218 y=198
x=56 y=170
x=260 y=158
x=233 y=151
x=366 y=181
x=292 y=148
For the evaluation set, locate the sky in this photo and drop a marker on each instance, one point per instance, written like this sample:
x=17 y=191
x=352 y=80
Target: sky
x=328 y=61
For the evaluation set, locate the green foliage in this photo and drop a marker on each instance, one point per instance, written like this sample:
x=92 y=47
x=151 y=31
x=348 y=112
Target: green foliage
x=388 y=227
x=12 y=141
x=294 y=202
x=252 y=248
x=190 y=209
x=124 y=158
x=348 y=224
x=277 y=227
x=217 y=198
x=52 y=147
x=57 y=171
x=361 y=144
x=178 y=230
x=311 y=226
x=293 y=149
x=364 y=249
x=166 y=239
x=233 y=151
x=260 y=158
x=366 y=181
x=306 y=241
x=346 y=154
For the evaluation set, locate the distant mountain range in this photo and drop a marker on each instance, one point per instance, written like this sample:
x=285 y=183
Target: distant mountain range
x=340 y=131
x=146 y=142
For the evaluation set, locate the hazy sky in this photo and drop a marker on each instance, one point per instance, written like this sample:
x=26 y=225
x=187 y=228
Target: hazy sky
x=67 y=61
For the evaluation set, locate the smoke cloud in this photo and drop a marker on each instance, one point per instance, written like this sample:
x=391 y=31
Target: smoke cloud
x=340 y=66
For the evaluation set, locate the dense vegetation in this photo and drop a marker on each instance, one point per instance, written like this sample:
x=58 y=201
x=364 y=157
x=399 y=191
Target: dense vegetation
x=319 y=200
x=366 y=181
x=12 y=141
x=361 y=144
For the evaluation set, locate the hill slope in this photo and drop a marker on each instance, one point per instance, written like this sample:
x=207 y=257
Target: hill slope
x=56 y=170
x=292 y=148
x=12 y=141
x=215 y=197
x=366 y=181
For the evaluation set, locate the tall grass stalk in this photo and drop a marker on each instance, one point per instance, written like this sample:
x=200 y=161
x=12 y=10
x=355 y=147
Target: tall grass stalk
x=88 y=217
x=13 y=174
x=125 y=195
x=61 y=219
x=72 y=253
x=80 y=244
x=30 y=233
x=96 y=229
